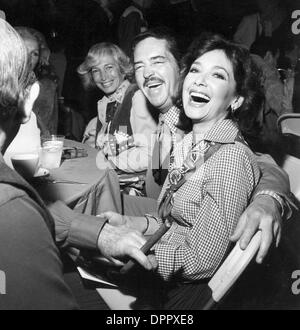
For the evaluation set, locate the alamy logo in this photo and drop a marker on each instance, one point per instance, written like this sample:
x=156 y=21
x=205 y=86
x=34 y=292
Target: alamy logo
x=296 y=23
x=2 y=283
x=296 y=283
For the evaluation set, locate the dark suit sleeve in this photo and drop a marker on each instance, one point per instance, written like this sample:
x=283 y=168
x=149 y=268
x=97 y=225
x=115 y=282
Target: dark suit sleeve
x=273 y=177
x=30 y=260
x=75 y=229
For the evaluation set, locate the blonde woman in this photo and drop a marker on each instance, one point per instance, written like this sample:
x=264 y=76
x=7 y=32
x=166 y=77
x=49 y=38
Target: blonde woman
x=122 y=131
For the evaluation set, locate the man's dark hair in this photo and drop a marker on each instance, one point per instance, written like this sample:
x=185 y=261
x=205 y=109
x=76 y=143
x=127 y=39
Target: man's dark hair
x=160 y=33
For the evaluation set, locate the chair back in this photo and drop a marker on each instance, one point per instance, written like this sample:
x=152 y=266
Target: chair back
x=292 y=167
x=231 y=269
x=289 y=124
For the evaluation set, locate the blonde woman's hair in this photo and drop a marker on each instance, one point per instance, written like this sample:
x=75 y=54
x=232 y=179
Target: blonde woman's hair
x=94 y=57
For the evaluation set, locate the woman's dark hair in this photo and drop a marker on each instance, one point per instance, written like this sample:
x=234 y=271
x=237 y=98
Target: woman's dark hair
x=246 y=75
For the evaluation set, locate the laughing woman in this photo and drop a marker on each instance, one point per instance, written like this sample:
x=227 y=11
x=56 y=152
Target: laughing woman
x=214 y=172
x=217 y=170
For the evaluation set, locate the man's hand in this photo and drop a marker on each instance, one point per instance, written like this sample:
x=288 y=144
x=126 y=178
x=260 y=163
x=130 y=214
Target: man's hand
x=262 y=214
x=120 y=242
x=114 y=219
x=136 y=223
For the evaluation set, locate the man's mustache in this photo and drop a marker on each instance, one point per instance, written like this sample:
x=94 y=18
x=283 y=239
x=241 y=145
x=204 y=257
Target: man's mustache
x=153 y=80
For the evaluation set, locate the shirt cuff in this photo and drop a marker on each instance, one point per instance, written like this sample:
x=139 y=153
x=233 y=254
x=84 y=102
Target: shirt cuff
x=75 y=229
x=148 y=217
x=85 y=231
x=285 y=207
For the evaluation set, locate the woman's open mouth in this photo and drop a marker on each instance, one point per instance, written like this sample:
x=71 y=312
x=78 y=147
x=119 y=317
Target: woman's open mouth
x=199 y=98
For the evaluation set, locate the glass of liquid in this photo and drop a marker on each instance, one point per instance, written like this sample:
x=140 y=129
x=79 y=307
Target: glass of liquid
x=51 y=151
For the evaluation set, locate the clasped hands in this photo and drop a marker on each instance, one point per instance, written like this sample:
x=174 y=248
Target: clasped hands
x=123 y=236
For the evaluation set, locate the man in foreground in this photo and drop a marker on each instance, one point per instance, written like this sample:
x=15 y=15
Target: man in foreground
x=29 y=256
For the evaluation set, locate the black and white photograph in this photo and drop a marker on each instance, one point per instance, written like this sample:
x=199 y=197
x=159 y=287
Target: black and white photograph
x=149 y=157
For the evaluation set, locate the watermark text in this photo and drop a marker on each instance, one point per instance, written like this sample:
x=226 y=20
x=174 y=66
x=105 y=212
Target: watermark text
x=296 y=23
x=296 y=283
x=2 y=283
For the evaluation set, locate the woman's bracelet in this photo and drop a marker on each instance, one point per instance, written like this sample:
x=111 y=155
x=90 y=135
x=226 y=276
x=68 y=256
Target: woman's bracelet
x=148 y=222
x=148 y=218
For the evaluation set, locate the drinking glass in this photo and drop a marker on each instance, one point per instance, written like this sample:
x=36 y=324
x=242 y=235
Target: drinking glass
x=51 y=151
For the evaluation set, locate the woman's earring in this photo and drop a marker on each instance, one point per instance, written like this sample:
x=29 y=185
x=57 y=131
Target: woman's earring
x=235 y=105
x=233 y=109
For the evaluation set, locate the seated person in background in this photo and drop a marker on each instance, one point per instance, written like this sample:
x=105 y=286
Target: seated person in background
x=270 y=19
x=57 y=59
x=214 y=172
x=105 y=4
x=266 y=52
x=132 y=22
x=28 y=253
x=289 y=65
x=46 y=106
x=124 y=125
x=278 y=93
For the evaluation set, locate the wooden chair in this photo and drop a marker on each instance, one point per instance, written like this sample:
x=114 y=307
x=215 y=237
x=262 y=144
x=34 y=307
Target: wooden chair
x=292 y=166
x=231 y=269
x=289 y=124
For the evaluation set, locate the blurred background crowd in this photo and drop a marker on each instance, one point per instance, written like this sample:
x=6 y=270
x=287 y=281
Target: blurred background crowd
x=68 y=28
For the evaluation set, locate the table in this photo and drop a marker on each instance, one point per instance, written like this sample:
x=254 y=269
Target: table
x=82 y=170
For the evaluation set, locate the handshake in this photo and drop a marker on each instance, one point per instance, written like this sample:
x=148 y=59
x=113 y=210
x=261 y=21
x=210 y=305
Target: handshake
x=122 y=237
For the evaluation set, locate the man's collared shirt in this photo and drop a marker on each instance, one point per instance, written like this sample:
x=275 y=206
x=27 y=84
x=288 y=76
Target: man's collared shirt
x=168 y=135
x=166 y=138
